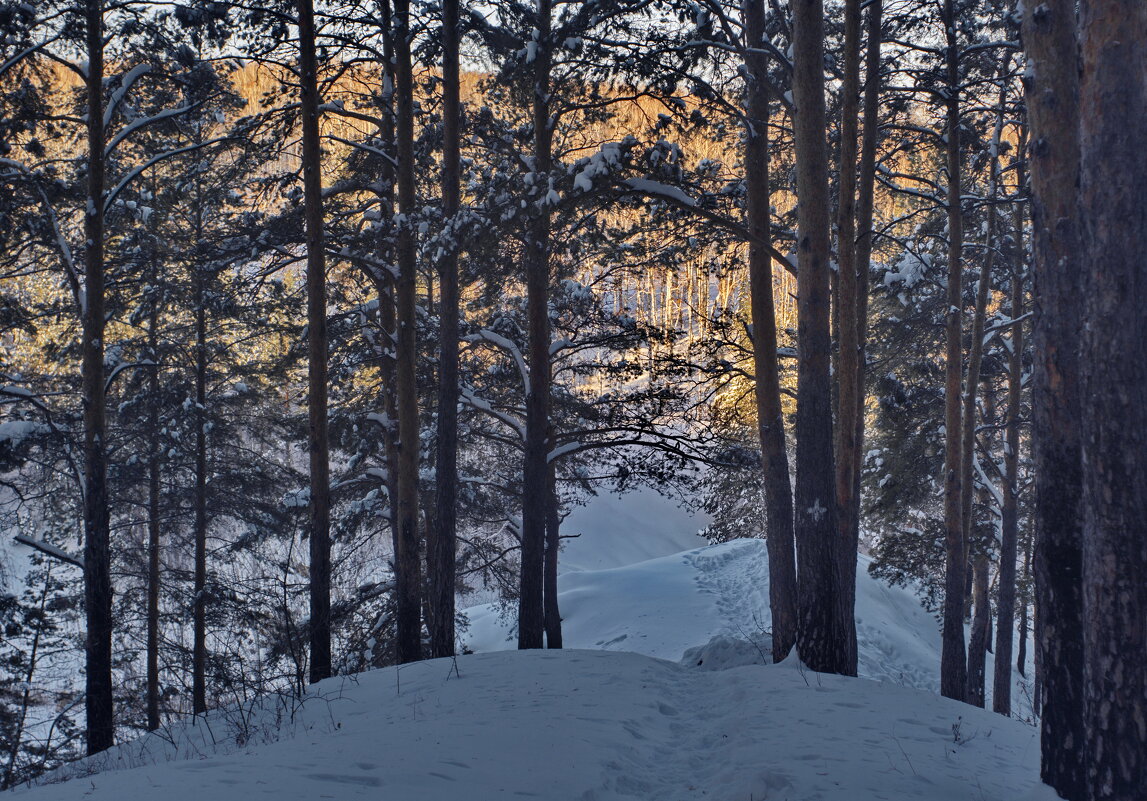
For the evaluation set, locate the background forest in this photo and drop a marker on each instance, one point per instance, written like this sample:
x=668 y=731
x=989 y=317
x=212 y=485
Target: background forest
x=315 y=321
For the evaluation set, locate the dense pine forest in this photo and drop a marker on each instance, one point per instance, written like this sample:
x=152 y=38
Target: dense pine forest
x=317 y=321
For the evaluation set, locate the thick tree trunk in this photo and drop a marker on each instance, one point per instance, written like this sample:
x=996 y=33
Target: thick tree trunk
x=1009 y=523
x=97 y=557
x=1053 y=113
x=1113 y=116
x=553 y=613
x=821 y=645
x=770 y=419
x=953 y=667
x=320 y=522
x=440 y=551
x=535 y=498
x=408 y=576
x=981 y=629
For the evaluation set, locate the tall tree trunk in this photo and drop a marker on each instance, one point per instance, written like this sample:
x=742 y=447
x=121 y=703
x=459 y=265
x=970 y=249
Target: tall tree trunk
x=821 y=645
x=953 y=667
x=199 y=622
x=1113 y=115
x=553 y=613
x=1009 y=523
x=1052 y=88
x=153 y=532
x=440 y=551
x=320 y=528
x=1024 y=601
x=531 y=615
x=97 y=557
x=864 y=211
x=408 y=567
x=770 y=417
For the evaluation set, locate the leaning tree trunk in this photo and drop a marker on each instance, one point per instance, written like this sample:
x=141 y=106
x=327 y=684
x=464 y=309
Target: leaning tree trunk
x=770 y=418
x=408 y=568
x=320 y=523
x=440 y=550
x=1113 y=116
x=1053 y=116
x=953 y=667
x=535 y=498
x=821 y=645
x=1009 y=522
x=97 y=556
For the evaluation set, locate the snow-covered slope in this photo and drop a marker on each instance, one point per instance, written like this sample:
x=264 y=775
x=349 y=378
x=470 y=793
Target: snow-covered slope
x=673 y=605
x=595 y=726
x=671 y=701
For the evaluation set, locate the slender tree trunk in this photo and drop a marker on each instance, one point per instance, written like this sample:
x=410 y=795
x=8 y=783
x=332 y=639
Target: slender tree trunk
x=981 y=623
x=199 y=623
x=1113 y=116
x=1052 y=88
x=320 y=529
x=1009 y=523
x=383 y=281
x=153 y=476
x=441 y=550
x=97 y=557
x=531 y=615
x=553 y=541
x=953 y=665
x=770 y=417
x=406 y=557
x=821 y=645
x=864 y=211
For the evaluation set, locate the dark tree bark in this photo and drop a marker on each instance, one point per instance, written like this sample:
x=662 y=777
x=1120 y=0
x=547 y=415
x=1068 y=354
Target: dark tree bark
x=953 y=667
x=1009 y=523
x=553 y=615
x=1113 y=116
x=848 y=373
x=1052 y=89
x=820 y=644
x=981 y=629
x=408 y=568
x=199 y=609
x=320 y=546
x=854 y=246
x=153 y=525
x=535 y=498
x=770 y=419
x=441 y=549
x=97 y=558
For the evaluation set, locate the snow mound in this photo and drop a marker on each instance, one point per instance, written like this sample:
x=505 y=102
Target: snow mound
x=593 y=726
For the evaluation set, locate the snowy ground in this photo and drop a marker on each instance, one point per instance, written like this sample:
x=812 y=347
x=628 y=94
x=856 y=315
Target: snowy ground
x=666 y=704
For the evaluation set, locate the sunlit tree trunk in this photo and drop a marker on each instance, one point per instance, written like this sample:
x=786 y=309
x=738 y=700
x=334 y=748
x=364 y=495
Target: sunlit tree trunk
x=770 y=419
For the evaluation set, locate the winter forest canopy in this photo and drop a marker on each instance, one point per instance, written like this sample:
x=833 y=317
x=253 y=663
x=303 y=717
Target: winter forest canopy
x=317 y=320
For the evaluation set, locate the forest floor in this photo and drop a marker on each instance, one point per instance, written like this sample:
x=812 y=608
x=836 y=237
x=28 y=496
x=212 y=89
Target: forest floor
x=662 y=694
